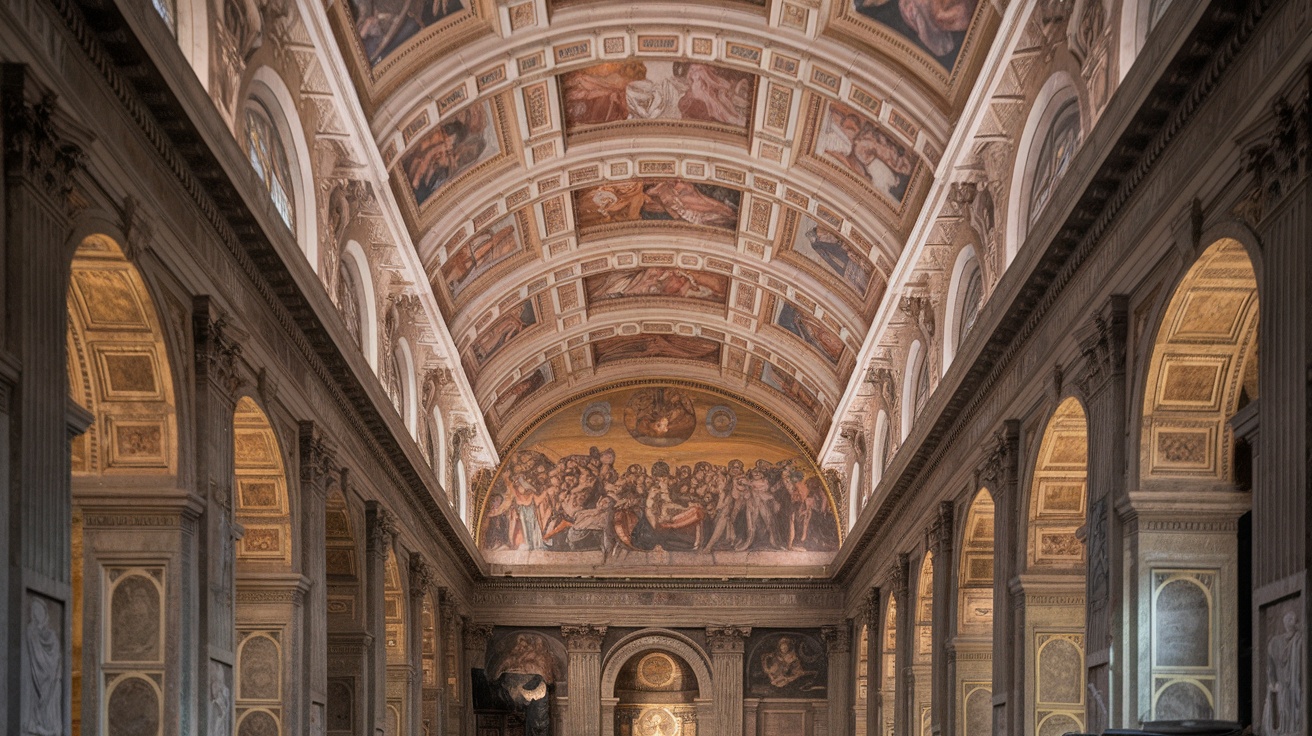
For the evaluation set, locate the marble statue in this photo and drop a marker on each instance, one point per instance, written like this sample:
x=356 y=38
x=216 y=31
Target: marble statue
x=44 y=712
x=1283 y=711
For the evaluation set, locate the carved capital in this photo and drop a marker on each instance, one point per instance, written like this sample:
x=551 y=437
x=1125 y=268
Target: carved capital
x=218 y=353
x=898 y=577
x=1282 y=156
x=998 y=470
x=584 y=638
x=727 y=639
x=837 y=639
x=34 y=148
x=434 y=381
x=422 y=576
x=382 y=532
x=870 y=609
x=477 y=636
x=318 y=458
x=921 y=311
x=939 y=535
x=1102 y=342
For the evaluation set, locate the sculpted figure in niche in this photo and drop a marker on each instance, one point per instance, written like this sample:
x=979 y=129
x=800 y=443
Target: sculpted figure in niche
x=220 y=701
x=1283 y=710
x=44 y=715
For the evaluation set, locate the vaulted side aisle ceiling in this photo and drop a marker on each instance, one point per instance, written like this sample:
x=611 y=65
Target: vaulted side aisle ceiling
x=603 y=192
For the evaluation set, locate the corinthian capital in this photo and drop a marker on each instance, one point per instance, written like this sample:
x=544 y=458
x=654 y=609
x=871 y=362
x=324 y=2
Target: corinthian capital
x=727 y=639
x=583 y=637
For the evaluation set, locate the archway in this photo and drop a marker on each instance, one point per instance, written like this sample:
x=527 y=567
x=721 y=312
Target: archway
x=922 y=663
x=888 y=685
x=1054 y=582
x=128 y=584
x=631 y=650
x=863 y=689
x=974 y=637
x=347 y=648
x=397 y=680
x=655 y=693
x=1194 y=493
x=266 y=576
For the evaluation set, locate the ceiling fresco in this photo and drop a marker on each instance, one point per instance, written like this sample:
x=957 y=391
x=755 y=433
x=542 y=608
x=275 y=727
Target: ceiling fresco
x=658 y=473
x=602 y=192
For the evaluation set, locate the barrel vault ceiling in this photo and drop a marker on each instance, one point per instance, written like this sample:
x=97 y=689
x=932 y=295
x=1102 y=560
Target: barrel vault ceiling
x=605 y=191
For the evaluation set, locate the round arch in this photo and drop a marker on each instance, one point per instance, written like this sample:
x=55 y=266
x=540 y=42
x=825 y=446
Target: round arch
x=879 y=454
x=405 y=361
x=268 y=88
x=1052 y=98
x=664 y=640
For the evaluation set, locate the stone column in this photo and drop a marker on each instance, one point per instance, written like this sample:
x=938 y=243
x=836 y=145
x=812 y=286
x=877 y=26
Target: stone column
x=476 y=638
x=39 y=168
x=872 y=617
x=218 y=384
x=421 y=581
x=442 y=612
x=381 y=531
x=939 y=539
x=1102 y=383
x=905 y=721
x=1282 y=510
x=1000 y=474
x=583 y=642
x=838 y=641
x=726 y=644
x=317 y=459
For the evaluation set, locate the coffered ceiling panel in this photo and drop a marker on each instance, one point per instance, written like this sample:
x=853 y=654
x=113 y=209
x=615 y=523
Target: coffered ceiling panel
x=608 y=192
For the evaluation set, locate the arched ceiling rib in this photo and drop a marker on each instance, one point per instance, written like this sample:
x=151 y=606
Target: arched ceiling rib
x=607 y=190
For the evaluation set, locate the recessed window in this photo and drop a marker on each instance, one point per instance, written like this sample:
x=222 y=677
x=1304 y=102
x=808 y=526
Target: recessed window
x=268 y=156
x=1055 y=156
x=972 y=294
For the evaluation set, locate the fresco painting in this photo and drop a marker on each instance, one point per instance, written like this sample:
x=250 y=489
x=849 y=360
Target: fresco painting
x=524 y=388
x=676 y=483
x=937 y=26
x=786 y=664
x=525 y=671
x=790 y=387
x=671 y=283
x=646 y=346
x=811 y=330
x=383 y=25
x=856 y=144
x=673 y=200
x=657 y=90
x=479 y=254
x=506 y=327
x=456 y=145
x=825 y=247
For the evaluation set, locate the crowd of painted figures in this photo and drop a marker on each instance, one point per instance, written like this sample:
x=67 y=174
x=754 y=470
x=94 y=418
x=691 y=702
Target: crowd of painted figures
x=583 y=502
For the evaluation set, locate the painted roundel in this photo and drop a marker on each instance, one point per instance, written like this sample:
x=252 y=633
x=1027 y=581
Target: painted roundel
x=657 y=722
x=656 y=670
x=596 y=418
x=660 y=417
x=720 y=421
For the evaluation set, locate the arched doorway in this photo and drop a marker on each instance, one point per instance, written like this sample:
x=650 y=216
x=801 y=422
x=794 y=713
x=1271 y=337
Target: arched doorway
x=888 y=686
x=1054 y=580
x=132 y=527
x=922 y=656
x=1194 y=494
